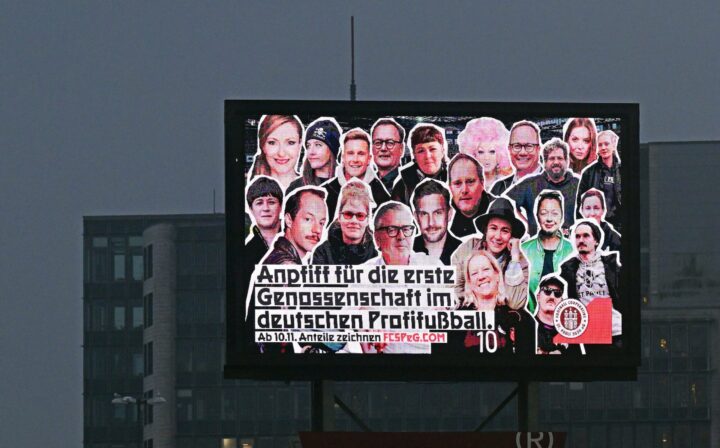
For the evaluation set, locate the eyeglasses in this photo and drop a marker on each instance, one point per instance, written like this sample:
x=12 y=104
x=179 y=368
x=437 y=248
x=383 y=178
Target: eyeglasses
x=517 y=148
x=350 y=215
x=551 y=292
x=389 y=143
x=392 y=231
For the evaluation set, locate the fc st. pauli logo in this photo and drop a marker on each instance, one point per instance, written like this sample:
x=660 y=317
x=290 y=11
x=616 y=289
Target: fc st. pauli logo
x=570 y=318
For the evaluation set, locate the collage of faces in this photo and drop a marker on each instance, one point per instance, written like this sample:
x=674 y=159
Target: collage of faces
x=526 y=223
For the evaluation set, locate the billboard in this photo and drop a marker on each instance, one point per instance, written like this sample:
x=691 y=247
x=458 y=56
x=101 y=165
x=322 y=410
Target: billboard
x=432 y=240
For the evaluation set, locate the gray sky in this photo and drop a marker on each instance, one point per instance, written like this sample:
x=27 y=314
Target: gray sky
x=116 y=108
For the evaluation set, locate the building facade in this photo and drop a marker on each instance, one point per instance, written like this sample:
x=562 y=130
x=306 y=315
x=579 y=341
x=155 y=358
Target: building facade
x=154 y=292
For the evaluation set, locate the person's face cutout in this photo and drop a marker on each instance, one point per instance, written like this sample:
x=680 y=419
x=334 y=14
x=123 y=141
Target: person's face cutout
x=556 y=164
x=524 y=148
x=466 y=187
x=394 y=236
x=307 y=227
x=432 y=215
x=318 y=154
x=355 y=158
x=282 y=149
x=550 y=216
x=592 y=208
x=606 y=147
x=429 y=157
x=387 y=147
x=353 y=219
x=266 y=211
x=498 y=235
x=585 y=242
x=482 y=277
x=579 y=141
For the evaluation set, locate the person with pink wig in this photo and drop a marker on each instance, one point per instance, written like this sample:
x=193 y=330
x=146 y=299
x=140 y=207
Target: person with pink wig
x=486 y=139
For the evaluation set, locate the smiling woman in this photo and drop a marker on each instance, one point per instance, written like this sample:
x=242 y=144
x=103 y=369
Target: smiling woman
x=279 y=141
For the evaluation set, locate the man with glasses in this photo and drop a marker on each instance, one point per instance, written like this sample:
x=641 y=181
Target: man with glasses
x=394 y=232
x=431 y=204
x=524 y=148
x=555 y=176
x=388 y=146
x=350 y=240
x=549 y=248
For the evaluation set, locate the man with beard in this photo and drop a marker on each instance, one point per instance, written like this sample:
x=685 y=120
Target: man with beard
x=604 y=175
x=264 y=198
x=429 y=148
x=555 y=177
x=550 y=293
x=388 y=143
x=305 y=216
x=524 y=148
x=470 y=199
x=355 y=160
x=592 y=206
x=350 y=240
x=591 y=275
x=322 y=143
x=549 y=248
x=431 y=203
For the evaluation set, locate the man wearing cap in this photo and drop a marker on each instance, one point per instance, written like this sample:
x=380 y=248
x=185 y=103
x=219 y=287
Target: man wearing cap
x=429 y=149
x=524 y=149
x=556 y=176
x=322 y=143
x=549 y=248
x=549 y=294
x=591 y=274
x=264 y=198
x=355 y=158
x=431 y=205
x=501 y=231
x=604 y=175
x=470 y=199
x=388 y=146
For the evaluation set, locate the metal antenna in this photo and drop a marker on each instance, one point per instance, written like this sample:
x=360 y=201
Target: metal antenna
x=353 y=87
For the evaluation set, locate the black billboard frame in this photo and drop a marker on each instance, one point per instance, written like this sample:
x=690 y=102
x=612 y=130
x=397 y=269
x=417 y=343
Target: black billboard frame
x=429 y=367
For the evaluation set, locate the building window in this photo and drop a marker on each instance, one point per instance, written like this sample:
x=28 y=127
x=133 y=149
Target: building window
x=137 y=267
x=100 y=241
x=119 y=317
x=148 y=310
x=148 y=418
x=148 y=354
x=119 y=267
x=148 y=443
x=137 y=364
x=137 y=316
x=148 y=265
x=184 y=405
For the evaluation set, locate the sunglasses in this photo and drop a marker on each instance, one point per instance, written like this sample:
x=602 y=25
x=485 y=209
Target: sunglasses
x=552 y=292
x=350 y=215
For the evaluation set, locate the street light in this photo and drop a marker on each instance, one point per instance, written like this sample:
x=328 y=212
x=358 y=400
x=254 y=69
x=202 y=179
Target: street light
x=124 y=400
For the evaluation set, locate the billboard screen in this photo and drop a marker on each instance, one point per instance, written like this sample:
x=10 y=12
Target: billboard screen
x=432 y=240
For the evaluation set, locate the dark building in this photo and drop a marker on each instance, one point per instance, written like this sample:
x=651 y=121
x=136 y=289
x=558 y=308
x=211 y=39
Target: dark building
x=154 y=325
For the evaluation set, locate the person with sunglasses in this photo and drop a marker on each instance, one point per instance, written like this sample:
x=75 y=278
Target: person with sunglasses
x=549 y=294
x=350 y=240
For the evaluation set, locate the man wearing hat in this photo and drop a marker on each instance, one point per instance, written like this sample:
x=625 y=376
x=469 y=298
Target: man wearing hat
x=322 y=143
x=501 y=231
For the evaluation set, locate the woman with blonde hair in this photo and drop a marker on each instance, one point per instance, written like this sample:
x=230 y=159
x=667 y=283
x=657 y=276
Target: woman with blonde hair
x=486 y=139
x=279 y=144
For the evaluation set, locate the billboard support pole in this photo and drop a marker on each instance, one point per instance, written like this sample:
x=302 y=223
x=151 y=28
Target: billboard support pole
x=527 y=405
x=322 y=406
